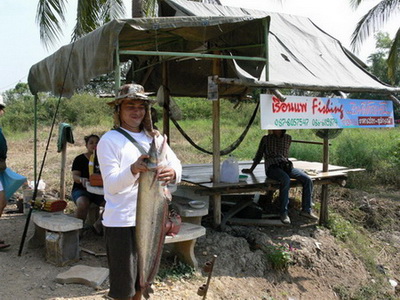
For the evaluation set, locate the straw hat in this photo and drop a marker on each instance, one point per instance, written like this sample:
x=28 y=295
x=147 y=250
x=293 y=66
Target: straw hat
x=133 y=91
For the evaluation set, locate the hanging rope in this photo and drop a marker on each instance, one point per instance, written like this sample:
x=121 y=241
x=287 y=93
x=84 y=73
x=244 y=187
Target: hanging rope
x=28 y=218
x=230 y=148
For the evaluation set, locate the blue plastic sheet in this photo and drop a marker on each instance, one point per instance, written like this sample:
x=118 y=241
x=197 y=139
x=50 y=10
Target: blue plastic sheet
x=11 y=181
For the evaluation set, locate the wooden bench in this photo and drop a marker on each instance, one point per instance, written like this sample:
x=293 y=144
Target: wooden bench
x=184 y=242
x=59 y=233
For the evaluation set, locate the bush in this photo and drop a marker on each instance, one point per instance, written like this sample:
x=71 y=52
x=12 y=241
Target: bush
x=279 y=256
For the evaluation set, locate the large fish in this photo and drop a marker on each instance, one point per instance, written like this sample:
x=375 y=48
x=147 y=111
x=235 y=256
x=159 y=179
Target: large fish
x=151 y=214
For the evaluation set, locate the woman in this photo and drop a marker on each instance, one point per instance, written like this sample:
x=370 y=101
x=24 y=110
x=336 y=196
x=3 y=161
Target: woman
x=3 y=157
x=80 y=175
x=121 y=163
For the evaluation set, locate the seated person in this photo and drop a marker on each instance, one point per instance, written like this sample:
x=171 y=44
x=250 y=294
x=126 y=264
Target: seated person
x=80 y=175
x=274 y=147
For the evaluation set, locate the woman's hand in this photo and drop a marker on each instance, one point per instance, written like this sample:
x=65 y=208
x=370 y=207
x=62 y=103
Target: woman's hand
x=83 y=181
x=167 y=175
x=140 y=165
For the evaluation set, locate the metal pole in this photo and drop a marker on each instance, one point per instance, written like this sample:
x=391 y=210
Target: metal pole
x=267 y=22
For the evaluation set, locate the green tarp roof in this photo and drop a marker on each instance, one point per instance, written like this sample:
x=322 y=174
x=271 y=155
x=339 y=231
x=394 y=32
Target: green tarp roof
x=300 y=54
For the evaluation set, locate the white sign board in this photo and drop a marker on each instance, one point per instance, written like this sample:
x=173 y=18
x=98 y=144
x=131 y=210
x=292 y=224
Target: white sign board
x=298 y=112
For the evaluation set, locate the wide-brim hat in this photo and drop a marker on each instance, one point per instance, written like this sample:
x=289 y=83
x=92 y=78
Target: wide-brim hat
x=131 y=91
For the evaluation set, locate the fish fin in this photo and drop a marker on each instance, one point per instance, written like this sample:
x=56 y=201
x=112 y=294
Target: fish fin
x=163 y=148
x=167 y=194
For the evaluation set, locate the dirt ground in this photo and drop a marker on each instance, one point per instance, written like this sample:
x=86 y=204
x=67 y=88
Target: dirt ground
x=322 y=267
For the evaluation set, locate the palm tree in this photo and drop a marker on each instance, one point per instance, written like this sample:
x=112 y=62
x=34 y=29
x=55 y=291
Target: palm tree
x=90 y=15
x=372 y=22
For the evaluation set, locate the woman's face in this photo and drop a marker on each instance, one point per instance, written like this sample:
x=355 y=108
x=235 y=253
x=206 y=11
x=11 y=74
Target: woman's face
x=1 y=111
x=132 y=114
x=92 y=144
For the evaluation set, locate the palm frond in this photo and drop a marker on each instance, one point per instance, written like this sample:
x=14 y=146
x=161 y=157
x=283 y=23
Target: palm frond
x=94 y=13
x=150 y=8
x=393 y=58
x=373 y=20
x=88 y=12
x=113 y=9
x=49 y=14
x=355 y=3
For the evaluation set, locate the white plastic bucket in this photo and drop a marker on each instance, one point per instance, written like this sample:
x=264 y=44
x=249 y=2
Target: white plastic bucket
x=230 y=170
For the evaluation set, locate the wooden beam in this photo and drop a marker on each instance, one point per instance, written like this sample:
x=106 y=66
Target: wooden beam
x=300 y=86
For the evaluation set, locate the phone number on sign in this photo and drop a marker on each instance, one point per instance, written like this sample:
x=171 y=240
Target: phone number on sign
x=291 y=122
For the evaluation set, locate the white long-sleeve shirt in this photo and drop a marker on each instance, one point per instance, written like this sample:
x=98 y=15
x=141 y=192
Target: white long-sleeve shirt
x=116 y=154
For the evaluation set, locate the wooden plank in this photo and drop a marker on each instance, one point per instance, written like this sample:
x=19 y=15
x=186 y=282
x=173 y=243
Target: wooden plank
x=256 y=222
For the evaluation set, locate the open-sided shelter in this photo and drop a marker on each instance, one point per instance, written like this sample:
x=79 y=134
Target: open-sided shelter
x=246 y=48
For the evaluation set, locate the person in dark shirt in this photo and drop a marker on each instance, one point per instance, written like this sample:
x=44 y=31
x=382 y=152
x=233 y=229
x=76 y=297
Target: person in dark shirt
x=274 y=148
x=3 y=157
x=80 y=176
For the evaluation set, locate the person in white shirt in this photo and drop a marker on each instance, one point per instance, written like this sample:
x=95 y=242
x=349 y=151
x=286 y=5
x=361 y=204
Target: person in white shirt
x=121 y=163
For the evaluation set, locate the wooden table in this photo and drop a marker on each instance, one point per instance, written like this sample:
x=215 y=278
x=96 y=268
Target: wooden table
x=201 y=175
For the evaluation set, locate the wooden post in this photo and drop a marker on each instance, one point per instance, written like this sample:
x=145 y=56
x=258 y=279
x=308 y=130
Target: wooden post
x=62 y=175
x=216 y=198
x=117 y=74
x=166 y=127
x=323 y=215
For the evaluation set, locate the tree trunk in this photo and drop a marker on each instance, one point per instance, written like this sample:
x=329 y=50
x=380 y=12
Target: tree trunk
x=137 y=11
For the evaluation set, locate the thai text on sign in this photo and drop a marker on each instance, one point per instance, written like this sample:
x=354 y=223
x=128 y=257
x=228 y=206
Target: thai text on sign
x=298 y=112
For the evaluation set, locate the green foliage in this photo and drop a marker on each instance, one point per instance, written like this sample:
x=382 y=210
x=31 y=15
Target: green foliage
x=340 y=228
x=280 y=256
x=378 y=65
x=376 y=150
x=86 y=110
x=175 y=271
x=81 y=109
x=371 y=291
x=232 y=113
x=355 y=239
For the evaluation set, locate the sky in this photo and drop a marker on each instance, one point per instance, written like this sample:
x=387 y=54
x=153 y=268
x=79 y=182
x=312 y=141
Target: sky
x=21 y=47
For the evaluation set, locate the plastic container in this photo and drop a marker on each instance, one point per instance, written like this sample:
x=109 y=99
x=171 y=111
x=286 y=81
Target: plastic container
x=28 y=195
x=230 y=170
x=11 y=182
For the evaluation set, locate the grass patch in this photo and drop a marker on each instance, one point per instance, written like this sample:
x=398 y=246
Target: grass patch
x=358 y=242
x=372 y=291
x=174 y=270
